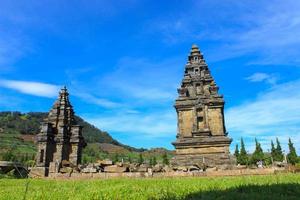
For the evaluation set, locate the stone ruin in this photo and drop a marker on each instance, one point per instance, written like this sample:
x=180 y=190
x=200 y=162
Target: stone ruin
x=60 y=138
x=201 y=135
x=202 y=143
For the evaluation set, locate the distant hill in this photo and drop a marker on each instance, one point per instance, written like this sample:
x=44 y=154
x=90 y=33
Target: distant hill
x=29 y=124
x=18 y=130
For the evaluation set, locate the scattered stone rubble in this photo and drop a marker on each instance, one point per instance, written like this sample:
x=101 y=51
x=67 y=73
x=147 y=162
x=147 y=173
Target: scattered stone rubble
x=109 y=169
x=107 y=166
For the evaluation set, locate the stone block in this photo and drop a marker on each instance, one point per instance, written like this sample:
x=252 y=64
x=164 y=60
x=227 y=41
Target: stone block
x=89 y=170
x=193 y=168
x=211 y=169
x=120 y=164
x=182 y=168
x=115 y=169
x=158 y=168
x=37 y=172
x=66 y=170
x=241 y=166
x=167 y=169
x=105 y=162
x=133 y=168
x=143 y=168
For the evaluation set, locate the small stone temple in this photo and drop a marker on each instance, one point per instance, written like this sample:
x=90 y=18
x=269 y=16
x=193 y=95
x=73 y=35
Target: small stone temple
x=201 y=135
x=60 y=137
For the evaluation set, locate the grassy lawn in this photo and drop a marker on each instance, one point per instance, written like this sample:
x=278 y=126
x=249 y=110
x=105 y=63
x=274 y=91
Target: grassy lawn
x=284 y=186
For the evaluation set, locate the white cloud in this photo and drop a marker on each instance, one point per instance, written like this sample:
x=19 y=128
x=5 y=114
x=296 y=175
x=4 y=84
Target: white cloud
x=275 y=36
x=50 y=90
x=32 y=88
x=271 y=34
x=98 y=101
x=263 y=77
x=274 y=113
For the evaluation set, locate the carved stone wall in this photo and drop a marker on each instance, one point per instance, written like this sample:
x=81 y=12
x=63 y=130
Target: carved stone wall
x=201 y=136
x=60 y=137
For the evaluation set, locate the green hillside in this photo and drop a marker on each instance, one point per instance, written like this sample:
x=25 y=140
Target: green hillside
x=29 y=124
x=18 y=130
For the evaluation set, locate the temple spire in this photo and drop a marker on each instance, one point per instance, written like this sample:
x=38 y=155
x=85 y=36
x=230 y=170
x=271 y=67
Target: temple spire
x=60 y=137
x=200 y=117
x=195 y=54
x=62 y=112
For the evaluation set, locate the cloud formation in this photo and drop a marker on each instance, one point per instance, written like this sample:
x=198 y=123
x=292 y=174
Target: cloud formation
x=106 y=103
x=263 y=77
x=31 y=88
x=274 y=113
x=271 y=35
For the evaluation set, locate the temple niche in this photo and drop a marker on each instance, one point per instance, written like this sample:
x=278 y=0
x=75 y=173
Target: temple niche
x=60 y=137
x=201 y=135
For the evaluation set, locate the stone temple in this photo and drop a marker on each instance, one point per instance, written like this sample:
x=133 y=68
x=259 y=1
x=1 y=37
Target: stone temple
x=201 y=134
x=60 y=137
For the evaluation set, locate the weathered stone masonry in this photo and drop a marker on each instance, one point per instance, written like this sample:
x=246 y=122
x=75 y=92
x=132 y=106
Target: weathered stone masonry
x=60 y=137
x=201 y=135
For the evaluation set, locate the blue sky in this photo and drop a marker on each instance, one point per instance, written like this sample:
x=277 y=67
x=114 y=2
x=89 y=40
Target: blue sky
x=123 y=60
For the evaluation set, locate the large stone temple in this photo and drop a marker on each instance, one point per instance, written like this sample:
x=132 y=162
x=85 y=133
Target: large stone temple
x=201 y=135
x=60 y=137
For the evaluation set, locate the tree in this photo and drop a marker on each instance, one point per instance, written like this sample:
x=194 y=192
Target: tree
x=267 y=159
x=258 y=154
x=165 y=159
x=141 y=159
x=243 y=158
x=9 y=156
x=129 y=159
x=273 y=150
x=278 y=150
x=292 y=155
x=237 y=154
x=151 y=161
x=115 y=158
x=154 y=161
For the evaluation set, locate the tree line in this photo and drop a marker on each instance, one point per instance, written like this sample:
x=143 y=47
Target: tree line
x=276 y=154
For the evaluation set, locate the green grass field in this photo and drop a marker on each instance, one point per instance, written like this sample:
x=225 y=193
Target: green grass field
x=283 y=186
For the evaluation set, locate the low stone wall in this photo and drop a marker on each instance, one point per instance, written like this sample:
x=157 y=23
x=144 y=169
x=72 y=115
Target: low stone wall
x=105 y=175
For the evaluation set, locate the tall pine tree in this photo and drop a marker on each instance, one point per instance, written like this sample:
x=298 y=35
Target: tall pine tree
x=237 y=154
x=151 y=161
x=141 y=159
x=273 y=150
x=258 y=154
x=165 y=159
x=154 y=162
x=278 y=154
x=243 y=158
x=292 y=155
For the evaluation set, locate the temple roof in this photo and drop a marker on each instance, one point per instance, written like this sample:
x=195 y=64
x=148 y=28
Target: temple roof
x=195 y=50
x=195 y=53
x=62 y=110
